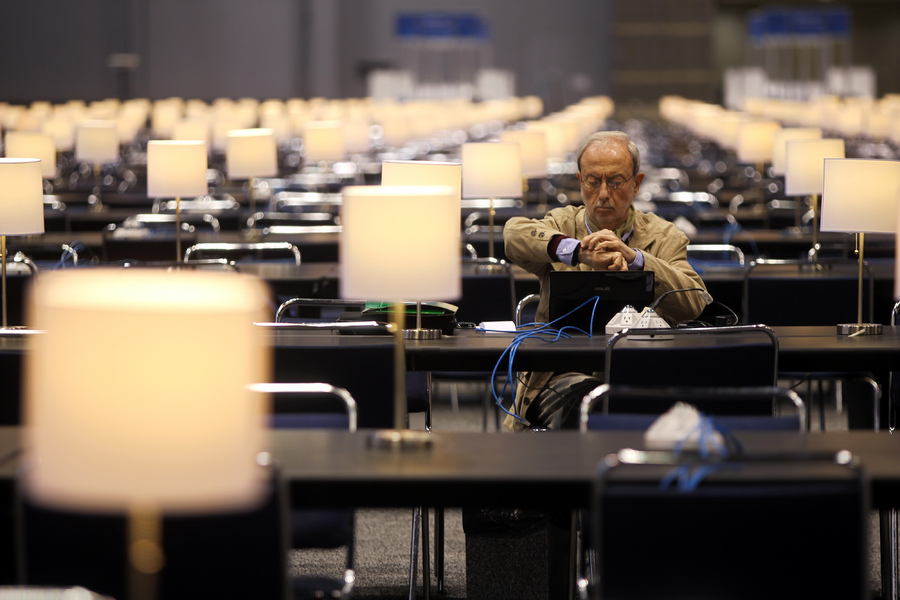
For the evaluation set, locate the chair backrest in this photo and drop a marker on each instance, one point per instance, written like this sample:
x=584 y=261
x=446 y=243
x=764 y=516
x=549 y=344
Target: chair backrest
x=166 y=222
x=309 y=406
x=244 y=251
x=710 y=256
x=362 y=365
x=229 y=555
x=753 y=527
x=737 y=356
x=736 y=409
x=488 y=291
x=805 y=293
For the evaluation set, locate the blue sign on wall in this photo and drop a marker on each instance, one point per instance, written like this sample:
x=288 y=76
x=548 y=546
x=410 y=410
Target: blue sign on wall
x=436 y=25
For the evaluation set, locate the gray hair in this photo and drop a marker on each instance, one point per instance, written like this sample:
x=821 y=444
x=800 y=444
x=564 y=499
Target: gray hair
x=609 y=136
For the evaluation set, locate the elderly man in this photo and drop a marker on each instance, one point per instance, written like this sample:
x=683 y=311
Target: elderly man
x=607 y=233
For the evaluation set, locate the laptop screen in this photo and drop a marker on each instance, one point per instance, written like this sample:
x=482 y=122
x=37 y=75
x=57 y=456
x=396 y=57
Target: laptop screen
x=613 y=289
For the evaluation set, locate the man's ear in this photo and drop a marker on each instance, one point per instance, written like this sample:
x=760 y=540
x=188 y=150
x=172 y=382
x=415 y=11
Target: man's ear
x=637 y=182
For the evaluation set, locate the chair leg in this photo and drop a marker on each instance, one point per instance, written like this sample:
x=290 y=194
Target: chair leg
x=426 y=557
x=414 y=554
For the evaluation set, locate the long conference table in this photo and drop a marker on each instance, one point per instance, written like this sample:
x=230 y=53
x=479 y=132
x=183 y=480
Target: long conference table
x=463 y=469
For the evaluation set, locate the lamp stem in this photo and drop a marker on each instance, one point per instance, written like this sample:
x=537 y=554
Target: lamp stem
x=491 y=228
x=3 y=259
x=145 y=553
x=859 y=297
x=98 y=204
x=178 y=257
x=418 y=314
x=814 y=205
x=400 y=408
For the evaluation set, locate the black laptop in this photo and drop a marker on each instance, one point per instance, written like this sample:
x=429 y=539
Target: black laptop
x=613 y=290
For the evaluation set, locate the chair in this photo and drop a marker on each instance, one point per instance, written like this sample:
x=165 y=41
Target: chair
x=229 y=555
x=781 y=292
x=639 y=406
x=737 y=356
x=371 y=381
x=742 y=527
x=317 y=406
x=252 y=251
x=488 y=294
x=150 y=237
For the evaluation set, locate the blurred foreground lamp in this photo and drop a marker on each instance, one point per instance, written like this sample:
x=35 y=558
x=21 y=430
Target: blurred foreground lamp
x=804 y=166
x=860 y=196
x=96 y=142
x=29 y=144
x=21 y=208
x=176 y=169
x=400 y=244
x=142 y=440
x=491 y=170
x=251 y=153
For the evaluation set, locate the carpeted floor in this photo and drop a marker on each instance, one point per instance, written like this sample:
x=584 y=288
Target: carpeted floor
x=383 y=536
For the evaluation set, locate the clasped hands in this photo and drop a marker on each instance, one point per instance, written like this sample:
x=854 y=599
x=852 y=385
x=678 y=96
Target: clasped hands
x=604 y=251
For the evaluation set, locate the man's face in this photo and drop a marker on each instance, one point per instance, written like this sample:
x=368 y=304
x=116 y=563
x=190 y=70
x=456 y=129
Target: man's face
x=608 y=161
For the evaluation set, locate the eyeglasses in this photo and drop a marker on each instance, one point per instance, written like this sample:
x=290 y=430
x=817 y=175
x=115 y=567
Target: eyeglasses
x=593 y=184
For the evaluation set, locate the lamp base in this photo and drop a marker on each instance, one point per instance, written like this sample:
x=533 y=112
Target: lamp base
x=859 y=329
x=490 y=269
x=421 y=334
x=400 y=439
x=16 y=330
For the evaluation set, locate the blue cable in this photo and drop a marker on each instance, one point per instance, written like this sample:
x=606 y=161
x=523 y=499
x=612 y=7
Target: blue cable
x=543 y=332
x=67 y=254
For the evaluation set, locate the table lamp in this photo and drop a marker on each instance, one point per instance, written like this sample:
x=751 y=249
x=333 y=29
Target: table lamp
x=423 y=173
x=251 y=153
x=400 y=244
x=28 y=144
x=491 y=170
x=176 y=169
x=324 y=142
x=533 y=154
x=21 y=209
x=143 y=439
x=96 y=142
x=780 y=140
x=860 y=196
x=755 y=143
x=804 y=164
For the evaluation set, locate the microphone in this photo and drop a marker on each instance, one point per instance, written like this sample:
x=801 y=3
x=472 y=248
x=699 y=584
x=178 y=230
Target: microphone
x=703 y=294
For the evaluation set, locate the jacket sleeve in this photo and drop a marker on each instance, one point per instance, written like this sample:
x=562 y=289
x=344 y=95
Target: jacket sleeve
x=525 y=241
x=668 y=260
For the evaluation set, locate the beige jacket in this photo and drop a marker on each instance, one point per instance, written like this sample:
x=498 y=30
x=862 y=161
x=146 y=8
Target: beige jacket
x=665 y=253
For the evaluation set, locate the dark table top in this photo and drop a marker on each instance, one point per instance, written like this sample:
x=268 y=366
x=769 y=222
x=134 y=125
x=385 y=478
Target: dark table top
x=474 y=469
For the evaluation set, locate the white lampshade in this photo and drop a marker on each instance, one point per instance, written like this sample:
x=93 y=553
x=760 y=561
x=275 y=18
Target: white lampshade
x=785 y=135
x=400 y=243
x=804 y=163
x=176 y=169
x=533 y=150
x=21 y=196
x=860 y=195
x=192 y=129
x=96 y=142
x=168 y=422
x=251 y=153
x=420 y=172
x=23 y=144
x=491 y=170
x=324 y=141
x=755 y=141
